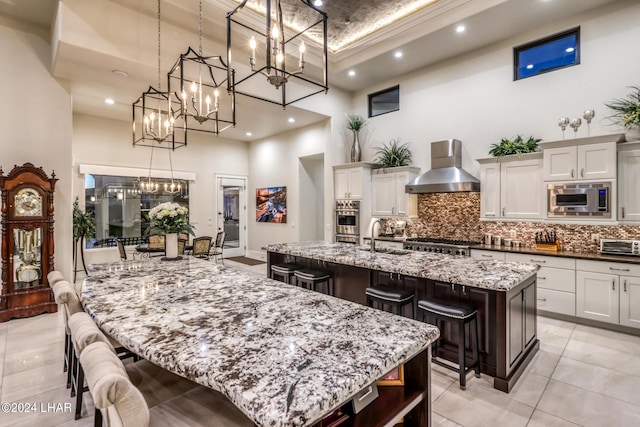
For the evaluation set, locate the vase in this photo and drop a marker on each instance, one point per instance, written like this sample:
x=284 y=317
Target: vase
x=171 y=246
x=355 y=147
x=632 y=133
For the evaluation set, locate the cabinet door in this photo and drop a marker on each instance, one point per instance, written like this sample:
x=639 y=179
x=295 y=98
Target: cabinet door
x=597 y=296
x=341 y=184
x=356 y=183
x=628 y=189
x=515 y=327
x=529 y=313
x=490 y=190
x=402 y=198
x=560 y=163
x=630 y=301
x=597 y=161
x=383 y=196
x=521 y=189
x=480 y=254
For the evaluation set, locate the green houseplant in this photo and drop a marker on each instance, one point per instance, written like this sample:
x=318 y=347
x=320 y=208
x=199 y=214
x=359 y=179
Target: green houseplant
x=394 y=154
x=626 y=112
x=355 y=123
x=516 y=145
x=84 y=225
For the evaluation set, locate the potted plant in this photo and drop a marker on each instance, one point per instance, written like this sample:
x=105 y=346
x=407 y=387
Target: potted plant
x=516 y=145
x=169 y=219
x=355 y=123
x=627 y=113
x=84 y=225
x=394 y=154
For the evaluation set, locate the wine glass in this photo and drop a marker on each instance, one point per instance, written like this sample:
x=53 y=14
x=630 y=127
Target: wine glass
x=563 y=122
x=588 y=115
x=575 y=124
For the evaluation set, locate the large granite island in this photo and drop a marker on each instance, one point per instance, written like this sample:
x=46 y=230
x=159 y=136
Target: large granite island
x=284 y=355
x=504 y=292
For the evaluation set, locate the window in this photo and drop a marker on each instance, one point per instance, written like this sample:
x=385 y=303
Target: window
x=120 y=208
x=385 y=101
x=548 y=54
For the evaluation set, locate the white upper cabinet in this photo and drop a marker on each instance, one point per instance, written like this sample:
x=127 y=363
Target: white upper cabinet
x=628 y=185
x=351 y=182
x=580 y=162
x=388 y=197
x=490 y=190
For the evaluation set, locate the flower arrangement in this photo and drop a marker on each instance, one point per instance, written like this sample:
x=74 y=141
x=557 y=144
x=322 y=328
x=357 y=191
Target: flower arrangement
x=355 y=122
x=167 y=218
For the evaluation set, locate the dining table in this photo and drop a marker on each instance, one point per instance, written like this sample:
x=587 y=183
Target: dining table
x=284 y=355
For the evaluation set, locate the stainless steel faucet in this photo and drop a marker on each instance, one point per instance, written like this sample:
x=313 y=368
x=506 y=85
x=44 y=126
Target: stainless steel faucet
x=373 y=238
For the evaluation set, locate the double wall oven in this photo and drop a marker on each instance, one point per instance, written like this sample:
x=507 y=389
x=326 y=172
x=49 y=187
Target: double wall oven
x=348 y=221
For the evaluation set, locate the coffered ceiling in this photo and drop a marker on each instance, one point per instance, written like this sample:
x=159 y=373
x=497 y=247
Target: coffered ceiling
x=93 y=38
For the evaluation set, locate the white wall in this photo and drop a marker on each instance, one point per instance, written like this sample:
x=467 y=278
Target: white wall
x=311 y=182
x=474 y=98
x=108 y=142
x=36 y=124
x=275 y=162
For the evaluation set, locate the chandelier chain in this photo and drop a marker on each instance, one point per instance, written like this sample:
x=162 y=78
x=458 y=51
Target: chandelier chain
x=200 y=30
x=159 y=79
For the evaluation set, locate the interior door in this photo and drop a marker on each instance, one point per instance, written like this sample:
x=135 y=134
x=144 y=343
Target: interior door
x=232 y=214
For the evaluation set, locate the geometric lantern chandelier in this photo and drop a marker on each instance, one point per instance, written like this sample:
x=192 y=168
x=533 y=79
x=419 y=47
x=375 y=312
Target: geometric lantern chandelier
x=276 y=52
x=200 y=85
x=154 y=115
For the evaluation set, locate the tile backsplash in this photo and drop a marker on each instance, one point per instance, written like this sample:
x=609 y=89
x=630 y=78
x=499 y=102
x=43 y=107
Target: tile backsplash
x=457 y=216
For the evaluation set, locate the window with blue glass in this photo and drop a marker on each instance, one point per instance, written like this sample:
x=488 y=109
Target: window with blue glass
x=549 y=54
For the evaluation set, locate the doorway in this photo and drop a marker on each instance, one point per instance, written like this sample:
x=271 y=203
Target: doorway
x=311 y=178
x=232 y=213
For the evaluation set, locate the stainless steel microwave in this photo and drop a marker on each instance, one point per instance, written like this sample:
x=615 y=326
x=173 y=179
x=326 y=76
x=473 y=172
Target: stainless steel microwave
x=578 y=199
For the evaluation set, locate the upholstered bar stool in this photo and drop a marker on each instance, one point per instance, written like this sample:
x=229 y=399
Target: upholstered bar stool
x=459 y=315
x=310 y=279
x=284 y=270
x=54 y=277
x=67 y=299
x=392 y=297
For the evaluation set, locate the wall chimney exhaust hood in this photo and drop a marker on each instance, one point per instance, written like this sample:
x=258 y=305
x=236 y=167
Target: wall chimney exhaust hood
x=446 y=174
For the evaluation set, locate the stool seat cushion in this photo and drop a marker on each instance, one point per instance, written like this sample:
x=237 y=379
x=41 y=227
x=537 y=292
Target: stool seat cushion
x=54 y=277
x=389 y=294
x=457 y=311
x=310 y=274
x=285 y=268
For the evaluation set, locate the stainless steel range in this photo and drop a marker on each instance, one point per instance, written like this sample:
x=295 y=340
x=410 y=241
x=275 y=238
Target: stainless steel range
x=442 y=246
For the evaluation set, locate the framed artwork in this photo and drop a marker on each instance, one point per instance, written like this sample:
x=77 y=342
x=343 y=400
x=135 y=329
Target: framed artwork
x=271 y=204
x=393 y=378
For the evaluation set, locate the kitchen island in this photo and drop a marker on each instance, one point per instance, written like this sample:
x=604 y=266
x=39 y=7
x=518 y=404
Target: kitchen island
x=503 y=292
x=283 y=355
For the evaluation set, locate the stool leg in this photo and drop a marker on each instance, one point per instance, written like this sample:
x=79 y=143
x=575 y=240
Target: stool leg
x=369 y=301
x=476 y=349
x=461 y=352
x=79 y=392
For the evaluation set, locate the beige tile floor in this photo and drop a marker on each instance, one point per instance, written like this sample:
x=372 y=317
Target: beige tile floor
x=581 y=376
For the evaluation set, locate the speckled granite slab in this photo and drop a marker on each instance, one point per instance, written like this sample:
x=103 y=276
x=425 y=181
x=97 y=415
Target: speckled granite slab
x=284 y=355
x=486 y=274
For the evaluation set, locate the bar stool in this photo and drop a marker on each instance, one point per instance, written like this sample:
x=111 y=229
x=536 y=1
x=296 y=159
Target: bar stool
x=393 y=297
x=310 y=278
x=461 y=315
x=284 y=270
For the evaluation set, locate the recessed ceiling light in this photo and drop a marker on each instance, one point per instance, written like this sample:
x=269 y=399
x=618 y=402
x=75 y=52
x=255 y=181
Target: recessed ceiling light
x=249 y=134
x=569 y=49
x=292 y=120
x=317 y=3
x=529 y=67
x=109 y=101
x=460 y=29
x=352 y=73
x=398 y=54
x=120 y=73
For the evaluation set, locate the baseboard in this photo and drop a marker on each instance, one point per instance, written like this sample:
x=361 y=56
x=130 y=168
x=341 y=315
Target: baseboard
x=259 y=255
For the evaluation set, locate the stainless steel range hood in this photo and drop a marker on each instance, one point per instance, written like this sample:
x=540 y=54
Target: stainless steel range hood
x=446 y=174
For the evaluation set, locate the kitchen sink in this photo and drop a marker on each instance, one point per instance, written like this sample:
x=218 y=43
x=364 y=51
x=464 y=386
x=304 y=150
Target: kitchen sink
x=390 y=251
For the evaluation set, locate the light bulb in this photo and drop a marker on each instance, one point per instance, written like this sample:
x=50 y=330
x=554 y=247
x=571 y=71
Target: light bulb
x=152 y=116
x=302 y=47
x=279 y=58
x=275 y=32
x=194 y=88
x=252 y=43
x=208 y=100
x=184 y=95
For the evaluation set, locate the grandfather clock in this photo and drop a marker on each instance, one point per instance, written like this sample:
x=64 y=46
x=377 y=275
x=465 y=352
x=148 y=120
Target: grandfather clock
x=27 y=242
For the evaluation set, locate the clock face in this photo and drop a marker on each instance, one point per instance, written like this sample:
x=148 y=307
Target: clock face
x=28 y=203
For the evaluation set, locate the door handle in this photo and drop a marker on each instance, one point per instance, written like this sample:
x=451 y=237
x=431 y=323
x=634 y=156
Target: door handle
x=625 y=285
x=542 y=299
x=538 y=261
x=571 y=173
x=487 y=256
x=542 y=278
x=623 y=212
x=582 y=172
x=618 y=269
x=393 y=210
x=453 y=287
x=503 y=209
x=613 y=284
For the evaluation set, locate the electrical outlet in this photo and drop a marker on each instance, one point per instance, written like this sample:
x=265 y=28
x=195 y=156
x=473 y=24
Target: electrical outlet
x=512 y=234
x=595 y=238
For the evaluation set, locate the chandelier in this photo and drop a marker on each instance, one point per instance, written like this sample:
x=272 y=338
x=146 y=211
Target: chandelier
x=146 y=185
x=154 y=114
x=268 y=52
x=203 y=93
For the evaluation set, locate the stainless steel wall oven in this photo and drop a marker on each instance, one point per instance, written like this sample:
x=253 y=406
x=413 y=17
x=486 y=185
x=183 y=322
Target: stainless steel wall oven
x=348 y=221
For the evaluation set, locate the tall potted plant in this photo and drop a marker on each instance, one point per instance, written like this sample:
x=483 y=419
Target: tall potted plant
x=170 y=219
x=626 y=112
x=84 y=225
x=394 y=154
x=355 y=123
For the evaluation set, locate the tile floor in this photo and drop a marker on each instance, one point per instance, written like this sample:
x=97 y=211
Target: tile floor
x=582 y=376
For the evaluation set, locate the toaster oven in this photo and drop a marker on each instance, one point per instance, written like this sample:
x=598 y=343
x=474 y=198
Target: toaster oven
x=620 y=247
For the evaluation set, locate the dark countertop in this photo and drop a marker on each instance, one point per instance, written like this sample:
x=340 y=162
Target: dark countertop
x=594 y=256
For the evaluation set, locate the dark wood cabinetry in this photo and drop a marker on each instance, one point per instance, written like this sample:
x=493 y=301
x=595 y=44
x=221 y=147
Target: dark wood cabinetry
x=27 y=242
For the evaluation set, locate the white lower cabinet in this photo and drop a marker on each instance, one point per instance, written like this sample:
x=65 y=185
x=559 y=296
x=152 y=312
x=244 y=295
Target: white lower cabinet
x=608 y=292
x=556 y=282
x=480 y=254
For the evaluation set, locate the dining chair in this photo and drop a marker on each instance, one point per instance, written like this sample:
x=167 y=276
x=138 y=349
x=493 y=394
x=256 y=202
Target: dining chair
x=201 y=246
x=121 y=250
x=181 y=245
x=217 y=246
x=155 y=244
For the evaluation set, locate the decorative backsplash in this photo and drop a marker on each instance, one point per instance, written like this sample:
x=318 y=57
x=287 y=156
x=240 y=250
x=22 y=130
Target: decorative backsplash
x=457 y=216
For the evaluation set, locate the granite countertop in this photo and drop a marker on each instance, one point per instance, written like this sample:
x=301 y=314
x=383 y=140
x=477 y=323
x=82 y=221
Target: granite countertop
x=462 y=270
x=595 y=256
x=284 y=355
